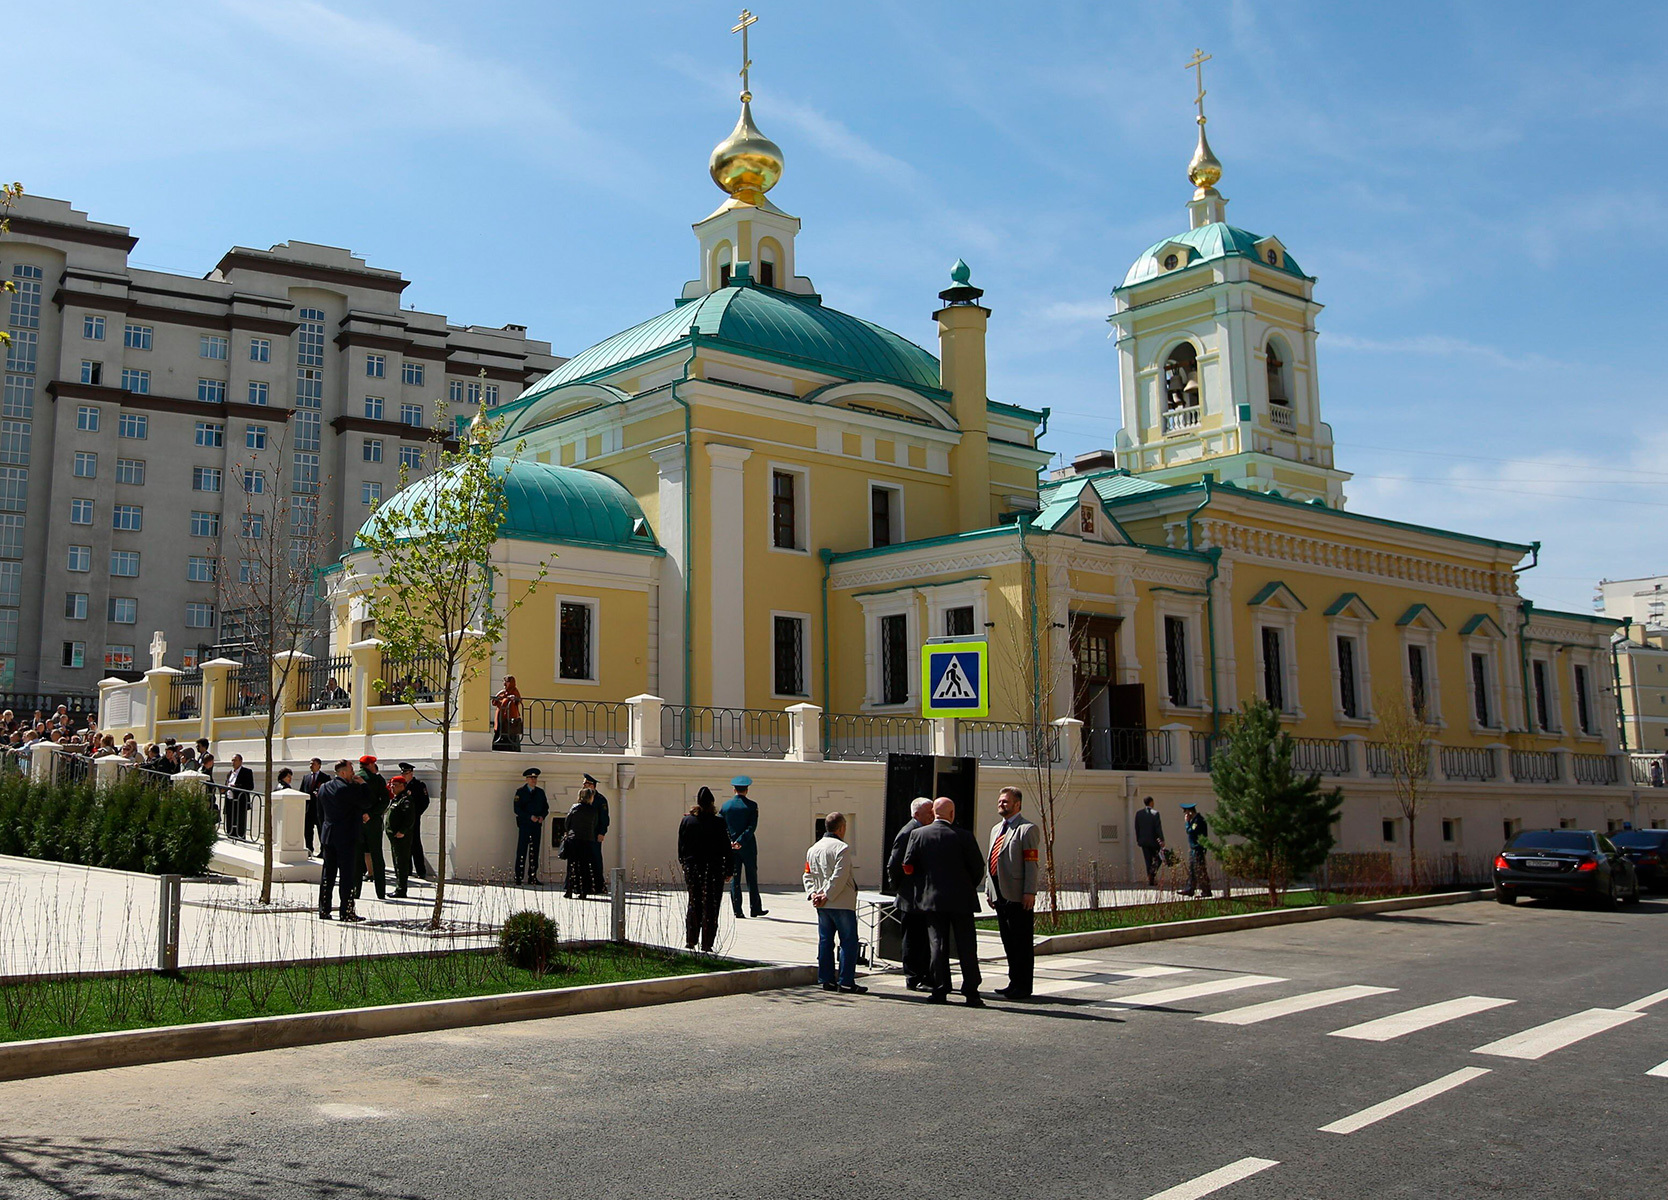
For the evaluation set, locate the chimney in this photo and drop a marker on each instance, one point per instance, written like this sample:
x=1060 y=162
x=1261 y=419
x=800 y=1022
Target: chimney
x=961 y=372
x=1094 y=460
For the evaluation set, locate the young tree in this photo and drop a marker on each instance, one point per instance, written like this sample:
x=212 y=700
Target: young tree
x=1283 y=820
x=1405 y=736
x=434 y=596
x=268 y=569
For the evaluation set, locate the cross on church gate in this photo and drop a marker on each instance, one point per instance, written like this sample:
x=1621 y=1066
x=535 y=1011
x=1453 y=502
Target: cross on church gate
x=159 y=647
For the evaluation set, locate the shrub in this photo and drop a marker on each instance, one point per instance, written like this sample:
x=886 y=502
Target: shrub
x=528 y=941
x=130 y=827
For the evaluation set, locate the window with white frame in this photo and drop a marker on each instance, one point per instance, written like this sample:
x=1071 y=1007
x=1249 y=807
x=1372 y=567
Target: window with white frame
x=75 y=606
x=411 y=457
x=92 y=372
x=956 y=609
x=205 y=479
x=789 y=508
x=371 y=450
x=454 y=391
x=19 y=397
x=205 y=524
x=788 y=653
x=124 y=610
x=127 y=518
x=86 y=464
x=305 y=475
x=15 y=438
x=14 y=489
x=373 y=408
x=489 y=395
x=309 y=337
x=370 y=491
x=895 y=664
x=248 y=570
x=376 y=366
x=23 y=351
x=1275 y=644
x=253 y=526
x=199 y=615
x=1545 y=702
x=133 y=425
x=211 y=391
x=137 y=337
x=1420 y=628
x=1348 y=622
x=11 y=535
x=118 y=658
x=75 y=654
x=309 y=429
x=124 y=564
x=81 y=511
x=92 y=328
x=199 y=568
x=576 y=632
x=211 y=434
x=26 y=296
x=136 y=381
x=254 y=482
x=411 y=414
x=86 y=418
x=1583 y=699
x=254 y=437
x=260 y=350
x=212 y=345
x=411 y=373
x=80 y=559
x=885 y=514
x=260 y=392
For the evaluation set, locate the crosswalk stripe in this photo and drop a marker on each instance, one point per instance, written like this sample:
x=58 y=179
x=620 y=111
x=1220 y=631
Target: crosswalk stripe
x=1191 y=991
x=1049 y=963
x=1645 y=1002
x=1555 y=1035
x=1660 y=1071
x=1414 y=1019
x=1251 y=1014
x=1216 y=1180
x=1394 y=1105
x=1054 y=987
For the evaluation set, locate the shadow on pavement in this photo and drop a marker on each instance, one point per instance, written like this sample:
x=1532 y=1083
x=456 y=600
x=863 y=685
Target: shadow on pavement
x=82 y=1167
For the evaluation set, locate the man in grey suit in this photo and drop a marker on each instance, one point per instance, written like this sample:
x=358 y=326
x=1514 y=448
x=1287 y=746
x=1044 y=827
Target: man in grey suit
x=905 y=892
x=1015 y=846
x=946 y=861
x=1149 y=835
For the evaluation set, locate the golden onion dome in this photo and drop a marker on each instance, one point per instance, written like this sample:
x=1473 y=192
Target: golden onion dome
x=1204 y=169
x=746 y=164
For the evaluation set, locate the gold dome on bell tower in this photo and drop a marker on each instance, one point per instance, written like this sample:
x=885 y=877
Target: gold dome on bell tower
x=746 y=164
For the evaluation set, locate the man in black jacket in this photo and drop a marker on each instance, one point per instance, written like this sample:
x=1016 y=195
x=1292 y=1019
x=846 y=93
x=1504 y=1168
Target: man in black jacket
x=532 y=806
x=342 y=814
x=904 y=895
x=240 y=798
x=950 y=867
x=1149 y=835
x=311 y=782
x=374 y=796
x=419 y=793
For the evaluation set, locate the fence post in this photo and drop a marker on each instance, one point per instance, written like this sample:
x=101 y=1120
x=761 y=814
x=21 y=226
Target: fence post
x=217 y=679
x=1564 y=772
x=161 y=706
x=289 y=819
x=1094 y=884
x=189 y=783
x=616 y=896
x=1070 y=741
x=1181 y=746
x=366 y=671
x=43 y=762
x=107 y=772
x=1356 y=747
x=287 y=699
x=644 y=739
x=168 y=925
x=944 y=736
x=805 y=733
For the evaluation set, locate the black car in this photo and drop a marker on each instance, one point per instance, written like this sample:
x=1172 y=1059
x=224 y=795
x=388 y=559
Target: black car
x=1562 y=862
x=1647 y=850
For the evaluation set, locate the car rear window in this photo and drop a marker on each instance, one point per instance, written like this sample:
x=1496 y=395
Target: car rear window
x=1648 y=839
x=1553 y=839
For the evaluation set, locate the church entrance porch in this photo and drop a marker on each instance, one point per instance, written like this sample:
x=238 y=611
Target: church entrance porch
x=1114 y=715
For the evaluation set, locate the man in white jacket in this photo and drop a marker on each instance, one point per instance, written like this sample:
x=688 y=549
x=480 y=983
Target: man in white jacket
x=832 y=889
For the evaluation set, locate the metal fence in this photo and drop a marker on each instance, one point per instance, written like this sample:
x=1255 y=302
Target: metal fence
x=865 y=737
x=71 y=768
x=185 y=696
x=1127 y=749
x=27 y=703
x=1320 y=756
x=414 y=680
x=1203 y=746
x=326 y=682
x=1534 y=766
x=1647 y=770
x=1474 y=764
x=576 y=724
x=1008 y=742
x=248 y=690
x=242 y=815
x=693 y=729
x=1595 y=769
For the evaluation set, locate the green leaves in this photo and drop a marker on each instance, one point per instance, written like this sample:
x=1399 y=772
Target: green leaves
x=1283 y=820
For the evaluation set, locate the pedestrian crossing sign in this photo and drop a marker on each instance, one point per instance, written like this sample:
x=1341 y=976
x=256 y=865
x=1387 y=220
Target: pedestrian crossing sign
x=955 y=679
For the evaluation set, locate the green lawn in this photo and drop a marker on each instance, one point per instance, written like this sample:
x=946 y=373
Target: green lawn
x=1129 y=916
x=41 y=1008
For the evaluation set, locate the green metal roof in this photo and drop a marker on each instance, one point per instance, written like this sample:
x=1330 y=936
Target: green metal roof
x=1216 y=240
x=1343 y=602
x=548 y=503
x=1272 y=589
x=782 y=326
x=1109 y=485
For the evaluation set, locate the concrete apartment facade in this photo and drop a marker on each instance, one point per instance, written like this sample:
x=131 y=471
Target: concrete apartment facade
x=143 y=410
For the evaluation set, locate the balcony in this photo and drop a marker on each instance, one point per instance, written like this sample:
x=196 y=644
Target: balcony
x=1281 y=415
x=1179 y=420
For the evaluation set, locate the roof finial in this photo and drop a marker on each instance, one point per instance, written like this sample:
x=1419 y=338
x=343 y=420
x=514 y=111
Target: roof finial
x=746 y=164
x=747 y=19
x=1204 y=170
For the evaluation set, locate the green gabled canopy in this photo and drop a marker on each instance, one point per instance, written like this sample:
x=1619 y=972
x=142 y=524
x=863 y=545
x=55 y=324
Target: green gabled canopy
x=546 y=503
x=1216 y=240
x=780 y=326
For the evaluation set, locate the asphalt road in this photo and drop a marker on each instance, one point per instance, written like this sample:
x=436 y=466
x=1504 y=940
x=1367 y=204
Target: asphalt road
x=1110 y=1087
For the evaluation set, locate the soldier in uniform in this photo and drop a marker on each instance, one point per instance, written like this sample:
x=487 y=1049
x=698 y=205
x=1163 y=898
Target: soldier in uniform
x=531 y=808
x=419 y=793
x=401 y=825
x=375 y=798
x=741 y=814
x=342 y=815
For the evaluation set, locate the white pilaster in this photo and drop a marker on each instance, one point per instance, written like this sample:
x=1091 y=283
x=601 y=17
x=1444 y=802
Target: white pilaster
x=673 y=573
x=726 y=595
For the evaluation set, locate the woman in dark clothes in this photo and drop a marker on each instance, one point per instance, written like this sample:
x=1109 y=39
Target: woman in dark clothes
x=704 y=851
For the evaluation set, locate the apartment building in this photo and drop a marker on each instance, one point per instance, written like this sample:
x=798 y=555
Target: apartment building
x=142 y=410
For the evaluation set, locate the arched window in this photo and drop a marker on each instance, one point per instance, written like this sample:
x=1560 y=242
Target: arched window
x=768 y=259
x=723 y=257
x=1278 y=393
x=1181 y=378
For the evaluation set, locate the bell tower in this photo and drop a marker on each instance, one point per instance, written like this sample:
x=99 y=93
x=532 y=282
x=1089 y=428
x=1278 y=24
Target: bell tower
x=1216 y=354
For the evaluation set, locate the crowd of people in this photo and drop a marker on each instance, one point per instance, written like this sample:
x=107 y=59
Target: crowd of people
x=353 y=812
x=75 y=732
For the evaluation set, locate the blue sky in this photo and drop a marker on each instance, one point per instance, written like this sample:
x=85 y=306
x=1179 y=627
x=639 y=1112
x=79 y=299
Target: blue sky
x=1478 y=187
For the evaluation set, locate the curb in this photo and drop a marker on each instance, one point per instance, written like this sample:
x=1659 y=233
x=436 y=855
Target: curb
x=133 y=1047
x=1098 y=939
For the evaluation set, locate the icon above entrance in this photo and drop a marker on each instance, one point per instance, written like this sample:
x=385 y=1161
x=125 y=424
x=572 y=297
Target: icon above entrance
x=955 y=679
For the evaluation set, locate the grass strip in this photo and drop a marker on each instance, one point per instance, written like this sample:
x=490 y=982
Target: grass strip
x=59 y=1007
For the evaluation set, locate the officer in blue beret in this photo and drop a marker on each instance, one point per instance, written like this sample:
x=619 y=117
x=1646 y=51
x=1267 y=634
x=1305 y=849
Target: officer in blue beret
x=741 y=814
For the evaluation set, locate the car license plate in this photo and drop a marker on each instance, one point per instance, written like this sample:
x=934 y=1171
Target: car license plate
x=1540 y=862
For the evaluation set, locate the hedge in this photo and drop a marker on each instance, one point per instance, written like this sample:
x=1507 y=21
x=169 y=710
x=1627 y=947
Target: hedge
x=131 y=826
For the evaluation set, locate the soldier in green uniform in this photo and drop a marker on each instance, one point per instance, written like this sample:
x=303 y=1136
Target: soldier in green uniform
x=375 y=799
x=402 y=826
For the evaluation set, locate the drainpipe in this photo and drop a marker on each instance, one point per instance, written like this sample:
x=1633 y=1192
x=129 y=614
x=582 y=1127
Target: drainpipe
x=1022 y=524
x=827 y=557
x=1215 y=556
x=1616 y=681
x=688 y=524
x=1524 y=607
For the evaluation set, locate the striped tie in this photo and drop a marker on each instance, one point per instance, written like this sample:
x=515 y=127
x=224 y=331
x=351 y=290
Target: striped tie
x=996 y=850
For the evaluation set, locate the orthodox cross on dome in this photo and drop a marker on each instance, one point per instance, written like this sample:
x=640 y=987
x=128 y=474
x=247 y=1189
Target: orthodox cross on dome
x=1196 y=64
x=159 y=648
x=747 y=19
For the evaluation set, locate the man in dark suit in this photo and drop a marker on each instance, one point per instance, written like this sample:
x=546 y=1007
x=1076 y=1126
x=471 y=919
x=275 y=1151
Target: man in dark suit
x=240 y=798
x=1015 y=867
x=1149 y=835
x=904 y=894
x=531 y=806
x=375 y=797
x=947 y=861
x=311 y=782
x=418 y=791
x=342 y=816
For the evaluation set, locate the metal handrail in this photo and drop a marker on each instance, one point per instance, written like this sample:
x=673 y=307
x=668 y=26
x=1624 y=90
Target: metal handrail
x=1468 y=763
x=695 y=729
x=241 y=814
x=1320 y=756
x=1013 y=742
x=1534 y=766
x=1127 y=749
x=1595 y=769
x=870 y=737
x=576 y=724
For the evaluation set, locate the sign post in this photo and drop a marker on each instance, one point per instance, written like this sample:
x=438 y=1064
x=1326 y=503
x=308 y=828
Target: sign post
x=955 y=679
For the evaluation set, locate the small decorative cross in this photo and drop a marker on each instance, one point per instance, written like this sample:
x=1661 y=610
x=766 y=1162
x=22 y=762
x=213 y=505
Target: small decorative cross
x=1196 y=64
x=159 y=648
x=747 y=19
